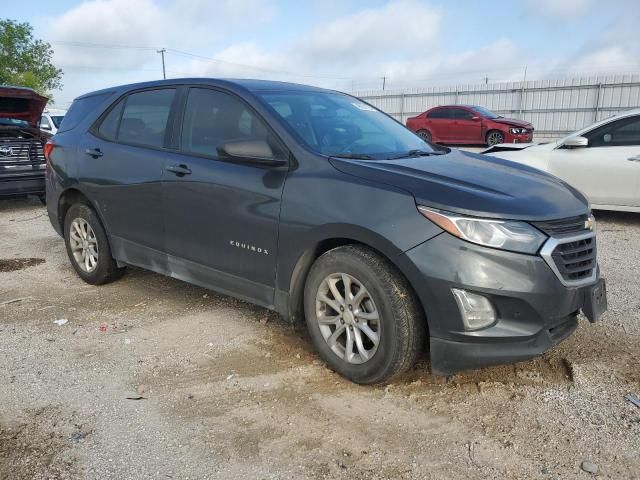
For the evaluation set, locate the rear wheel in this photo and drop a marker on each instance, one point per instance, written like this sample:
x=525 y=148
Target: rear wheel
x=494 y=137
x=362 y=315
x=424 y=134
x=87 y=246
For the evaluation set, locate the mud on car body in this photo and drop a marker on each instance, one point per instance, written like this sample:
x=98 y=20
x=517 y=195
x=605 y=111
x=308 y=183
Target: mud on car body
x=319 y=206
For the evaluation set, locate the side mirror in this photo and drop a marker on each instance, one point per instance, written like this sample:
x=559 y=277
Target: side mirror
x=45 y=127
x=475 y=118
x=253 y=151
x=576 y=142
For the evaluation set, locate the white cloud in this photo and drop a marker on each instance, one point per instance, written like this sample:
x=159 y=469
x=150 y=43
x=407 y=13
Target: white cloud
x=561 y=9
x=337 y=44
x=399 y=27
x=614 y=59
x=616 y=49
x=176 y=23
x=399 y=40
x=353 y=49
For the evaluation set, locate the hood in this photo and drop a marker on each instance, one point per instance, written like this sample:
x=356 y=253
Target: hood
x=474 y=184
x=18 y=103
x=514 y=122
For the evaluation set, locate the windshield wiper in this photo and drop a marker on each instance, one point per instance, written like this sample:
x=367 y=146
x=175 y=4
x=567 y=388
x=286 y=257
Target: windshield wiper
x=417 y=153
x=355 y=156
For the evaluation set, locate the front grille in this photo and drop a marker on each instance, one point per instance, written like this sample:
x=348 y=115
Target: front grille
x=563 y=226
x=13 y=151
x=575 y=260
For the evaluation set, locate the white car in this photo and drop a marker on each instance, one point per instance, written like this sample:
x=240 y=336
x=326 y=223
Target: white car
x=51 y=119
x=602 y=160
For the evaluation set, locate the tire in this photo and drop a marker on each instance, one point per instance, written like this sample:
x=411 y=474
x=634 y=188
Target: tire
x=424 y=134
x=400 y=324
x=494 y=137
x=105 y=269
x=43 y=199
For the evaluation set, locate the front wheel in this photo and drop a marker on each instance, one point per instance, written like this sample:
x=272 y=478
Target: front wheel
x=494 y=137
x=362 y=315
x=87 y=246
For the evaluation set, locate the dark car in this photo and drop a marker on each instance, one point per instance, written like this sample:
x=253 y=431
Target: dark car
x=316 y=205
x=467 y=124
x=22 y=161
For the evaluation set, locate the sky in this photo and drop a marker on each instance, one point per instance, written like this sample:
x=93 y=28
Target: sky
x=349 y=45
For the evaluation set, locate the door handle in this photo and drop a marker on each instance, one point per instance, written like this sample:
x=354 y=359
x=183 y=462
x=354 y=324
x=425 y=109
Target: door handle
x=94 y=152
x=179 y=170
x=634 y=159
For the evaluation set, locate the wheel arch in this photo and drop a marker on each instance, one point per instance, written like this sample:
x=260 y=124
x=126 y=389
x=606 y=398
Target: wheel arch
x=74 y=195
x=495 y=129
x=294 y=308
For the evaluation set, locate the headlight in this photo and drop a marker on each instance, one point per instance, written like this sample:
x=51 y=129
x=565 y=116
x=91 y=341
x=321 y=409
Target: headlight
x=503 y=234
x=517 y=131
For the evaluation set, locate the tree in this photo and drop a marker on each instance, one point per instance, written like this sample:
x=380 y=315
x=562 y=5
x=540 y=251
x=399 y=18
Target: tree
x=25 y=61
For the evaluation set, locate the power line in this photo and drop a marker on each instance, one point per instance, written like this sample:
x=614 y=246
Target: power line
x=453 y=77
x=100 y=45
x=203 y=57
x=253 y=67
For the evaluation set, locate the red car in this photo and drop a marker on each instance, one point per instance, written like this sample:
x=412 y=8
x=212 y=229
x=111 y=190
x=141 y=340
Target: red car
x=466 y=124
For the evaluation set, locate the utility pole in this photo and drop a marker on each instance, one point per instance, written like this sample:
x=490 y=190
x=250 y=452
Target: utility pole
x=524 y=80
x=486 y=80
x=164 y=73
x=384 y=81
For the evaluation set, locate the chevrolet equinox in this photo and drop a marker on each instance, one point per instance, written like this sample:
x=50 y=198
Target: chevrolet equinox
x=317 y=205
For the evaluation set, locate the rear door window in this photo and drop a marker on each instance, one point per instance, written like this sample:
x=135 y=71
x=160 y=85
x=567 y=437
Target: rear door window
x=144 y=118
x=439 y=113
x=460 y=114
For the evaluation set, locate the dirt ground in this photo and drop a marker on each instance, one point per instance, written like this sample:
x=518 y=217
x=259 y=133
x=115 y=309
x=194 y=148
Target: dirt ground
x=153 y=378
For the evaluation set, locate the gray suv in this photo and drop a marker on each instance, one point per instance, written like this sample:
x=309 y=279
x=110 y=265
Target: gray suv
x=317 y=205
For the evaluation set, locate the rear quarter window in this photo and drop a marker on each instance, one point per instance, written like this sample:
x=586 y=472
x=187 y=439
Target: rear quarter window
x=80 y=108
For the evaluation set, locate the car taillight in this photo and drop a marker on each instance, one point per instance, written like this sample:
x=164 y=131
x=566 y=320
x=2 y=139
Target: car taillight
x=48 y=148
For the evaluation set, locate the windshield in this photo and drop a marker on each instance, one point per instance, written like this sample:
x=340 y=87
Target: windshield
x=334 y=124
x=485 y=112
x=56 y=119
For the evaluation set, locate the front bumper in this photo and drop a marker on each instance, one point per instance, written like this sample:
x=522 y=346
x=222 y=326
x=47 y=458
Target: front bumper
x=12 y=186
x=535 y=310
x=518 y=137
x=452 y=356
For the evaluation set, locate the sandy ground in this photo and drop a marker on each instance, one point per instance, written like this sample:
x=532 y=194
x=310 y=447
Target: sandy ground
x=231 y=391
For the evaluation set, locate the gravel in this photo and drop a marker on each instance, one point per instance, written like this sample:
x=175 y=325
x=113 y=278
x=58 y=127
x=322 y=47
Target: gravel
x=153 y=378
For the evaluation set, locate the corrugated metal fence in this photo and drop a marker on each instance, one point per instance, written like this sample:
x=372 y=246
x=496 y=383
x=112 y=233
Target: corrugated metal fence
x=554 y=107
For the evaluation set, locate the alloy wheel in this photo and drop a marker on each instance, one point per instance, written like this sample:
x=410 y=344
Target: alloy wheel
x=348 y=318
x=424 y=135
x=494 y=138
x=84 y=244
